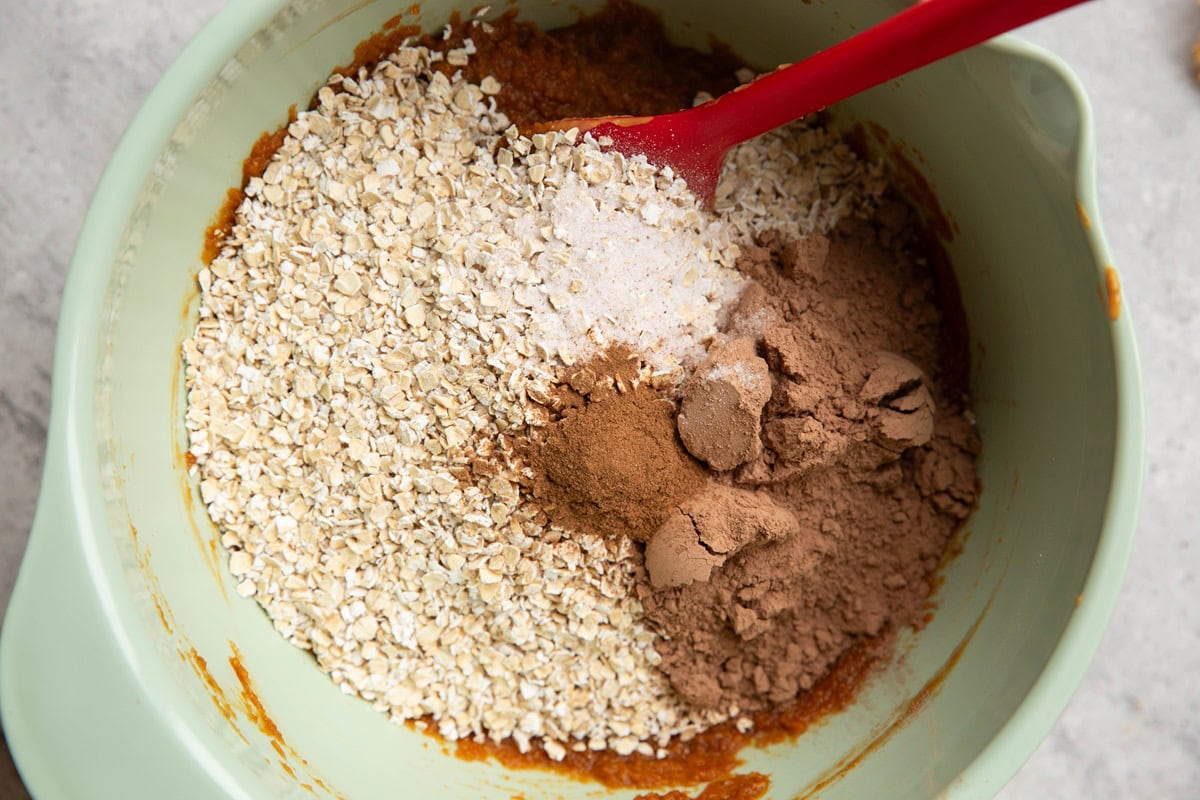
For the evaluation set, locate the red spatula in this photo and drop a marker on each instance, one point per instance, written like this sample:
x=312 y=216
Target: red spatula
x=694 y=142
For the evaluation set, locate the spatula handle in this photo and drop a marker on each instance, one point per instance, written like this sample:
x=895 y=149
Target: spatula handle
x=919 y=35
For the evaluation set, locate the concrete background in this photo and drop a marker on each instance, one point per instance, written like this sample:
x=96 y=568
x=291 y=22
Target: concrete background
x=75 y=71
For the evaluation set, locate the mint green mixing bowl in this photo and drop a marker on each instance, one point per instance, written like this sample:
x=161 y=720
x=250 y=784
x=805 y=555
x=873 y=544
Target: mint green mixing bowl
x=131 y=668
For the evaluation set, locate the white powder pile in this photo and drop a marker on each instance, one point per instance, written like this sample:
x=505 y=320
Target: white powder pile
x=639 y=265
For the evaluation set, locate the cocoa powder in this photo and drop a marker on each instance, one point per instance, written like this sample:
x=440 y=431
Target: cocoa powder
x=612 y=463
x=865 y=440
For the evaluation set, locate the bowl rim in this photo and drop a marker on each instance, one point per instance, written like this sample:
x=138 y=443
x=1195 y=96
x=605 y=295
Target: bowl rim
x=1063 y=673
x=70 y=473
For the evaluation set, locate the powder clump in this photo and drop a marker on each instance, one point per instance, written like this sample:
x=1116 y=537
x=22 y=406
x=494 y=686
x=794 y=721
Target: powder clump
x=711 y=527
x=722 y=403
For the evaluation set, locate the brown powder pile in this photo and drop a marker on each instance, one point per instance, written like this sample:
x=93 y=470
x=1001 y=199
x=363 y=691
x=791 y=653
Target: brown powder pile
x=864 y=440
x=612 y=464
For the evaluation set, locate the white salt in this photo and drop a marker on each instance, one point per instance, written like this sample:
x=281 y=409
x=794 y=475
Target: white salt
x=629 y=263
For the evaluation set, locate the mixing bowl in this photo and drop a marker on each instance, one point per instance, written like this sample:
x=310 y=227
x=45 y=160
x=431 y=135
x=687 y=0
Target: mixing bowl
x=131 y=667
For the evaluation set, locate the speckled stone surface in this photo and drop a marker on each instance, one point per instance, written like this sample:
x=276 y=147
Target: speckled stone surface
x=1130 y=732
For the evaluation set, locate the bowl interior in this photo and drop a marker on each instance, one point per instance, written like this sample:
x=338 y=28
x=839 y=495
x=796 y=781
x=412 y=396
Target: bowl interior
x=996 y=134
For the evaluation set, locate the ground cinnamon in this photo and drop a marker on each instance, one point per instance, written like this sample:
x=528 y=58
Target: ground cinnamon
x=612 y=463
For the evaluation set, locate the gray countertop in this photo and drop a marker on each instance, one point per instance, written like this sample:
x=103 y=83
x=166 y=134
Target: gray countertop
x=75 y=71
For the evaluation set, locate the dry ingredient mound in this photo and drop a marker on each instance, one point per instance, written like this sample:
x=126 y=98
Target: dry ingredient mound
x=840 y=458
x=411 y=285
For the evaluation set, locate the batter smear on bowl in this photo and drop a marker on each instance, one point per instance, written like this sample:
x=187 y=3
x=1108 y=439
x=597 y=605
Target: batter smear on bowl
x=519 y=440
